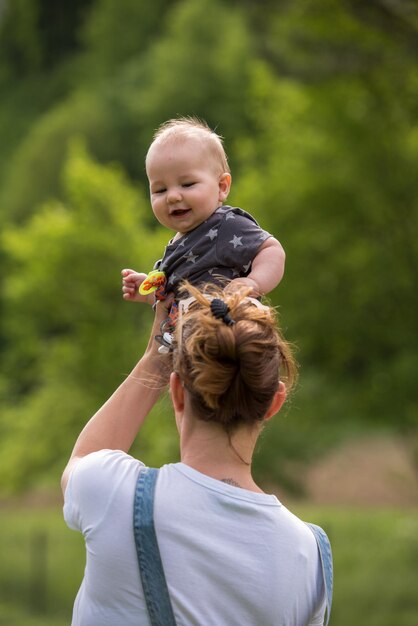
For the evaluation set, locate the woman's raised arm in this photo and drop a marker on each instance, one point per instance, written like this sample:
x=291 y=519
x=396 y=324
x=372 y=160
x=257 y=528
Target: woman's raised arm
x=117 y=422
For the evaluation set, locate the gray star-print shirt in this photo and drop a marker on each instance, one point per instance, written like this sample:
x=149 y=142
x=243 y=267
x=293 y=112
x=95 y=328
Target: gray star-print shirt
x=222 y=247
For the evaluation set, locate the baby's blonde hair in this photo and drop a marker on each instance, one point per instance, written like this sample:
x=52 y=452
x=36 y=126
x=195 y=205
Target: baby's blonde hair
x=193 y=127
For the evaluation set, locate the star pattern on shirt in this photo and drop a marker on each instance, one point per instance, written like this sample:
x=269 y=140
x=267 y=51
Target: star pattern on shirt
x=230 y=216
x=245 y=268
x=182 y=241
x=190 y=257
x=236 y=241
x=212 y=234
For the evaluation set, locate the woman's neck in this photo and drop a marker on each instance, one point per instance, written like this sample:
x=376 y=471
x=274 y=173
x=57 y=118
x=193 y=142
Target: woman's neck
x=207 y=448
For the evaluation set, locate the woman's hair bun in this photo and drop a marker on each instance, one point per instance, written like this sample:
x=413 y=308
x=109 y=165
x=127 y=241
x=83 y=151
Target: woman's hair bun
x=228 y=353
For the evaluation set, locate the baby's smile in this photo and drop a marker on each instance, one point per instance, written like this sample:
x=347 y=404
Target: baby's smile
x=179 y=212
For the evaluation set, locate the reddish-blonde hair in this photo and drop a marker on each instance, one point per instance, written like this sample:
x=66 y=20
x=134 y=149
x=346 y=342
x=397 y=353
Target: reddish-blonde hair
x=231 y=372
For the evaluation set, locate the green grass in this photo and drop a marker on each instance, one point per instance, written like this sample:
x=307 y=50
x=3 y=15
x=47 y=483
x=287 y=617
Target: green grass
x=41 y=568
x=375 y=556
x=375 y=560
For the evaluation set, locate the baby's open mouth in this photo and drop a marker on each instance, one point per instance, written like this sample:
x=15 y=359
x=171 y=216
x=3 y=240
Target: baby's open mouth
x=179 y=212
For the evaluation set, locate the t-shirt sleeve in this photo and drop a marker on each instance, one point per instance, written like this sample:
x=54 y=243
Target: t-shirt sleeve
x=92 y=481
x=238 y=241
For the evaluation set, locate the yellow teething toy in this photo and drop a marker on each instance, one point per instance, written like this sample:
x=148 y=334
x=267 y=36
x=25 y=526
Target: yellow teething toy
x=152 y=282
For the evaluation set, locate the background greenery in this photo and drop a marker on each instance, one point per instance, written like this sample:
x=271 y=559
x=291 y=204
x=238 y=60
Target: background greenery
x=318 y=103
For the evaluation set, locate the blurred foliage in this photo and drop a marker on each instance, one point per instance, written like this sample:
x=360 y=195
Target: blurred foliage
x=66 y=336
x=117 y=31
x=318 y=103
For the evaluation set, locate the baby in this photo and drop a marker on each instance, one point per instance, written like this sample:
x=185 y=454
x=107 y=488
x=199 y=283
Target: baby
x=189 y=181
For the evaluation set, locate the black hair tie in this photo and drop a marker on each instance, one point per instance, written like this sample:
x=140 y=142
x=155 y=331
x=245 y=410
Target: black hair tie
x=220 y=310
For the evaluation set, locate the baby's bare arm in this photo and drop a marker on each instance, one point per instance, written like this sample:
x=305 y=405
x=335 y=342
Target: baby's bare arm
x=267 y=269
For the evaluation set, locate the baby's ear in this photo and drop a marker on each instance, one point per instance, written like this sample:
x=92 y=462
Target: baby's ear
x=225 y=181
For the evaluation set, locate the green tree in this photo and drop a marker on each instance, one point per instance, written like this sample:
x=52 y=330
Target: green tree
x=37 y=42
x=37 y=35
x=198 y=66
x=318 y=104
x=33 y=174
x=331 y=169
x=115 y=32
x=71 y=337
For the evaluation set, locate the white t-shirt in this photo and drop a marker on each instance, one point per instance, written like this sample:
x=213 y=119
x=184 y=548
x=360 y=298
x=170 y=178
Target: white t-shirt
x=231 y=557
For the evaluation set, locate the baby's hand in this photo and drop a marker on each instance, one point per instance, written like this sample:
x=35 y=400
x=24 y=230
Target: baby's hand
x=131 y=281
x=243 y=283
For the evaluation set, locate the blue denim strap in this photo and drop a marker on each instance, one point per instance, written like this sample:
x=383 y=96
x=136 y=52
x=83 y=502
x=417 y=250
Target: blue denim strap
x=149 y=559
x=324 y=547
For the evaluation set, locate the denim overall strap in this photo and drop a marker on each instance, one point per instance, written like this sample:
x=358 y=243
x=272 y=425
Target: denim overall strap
x=324 y=547
x=149 y=559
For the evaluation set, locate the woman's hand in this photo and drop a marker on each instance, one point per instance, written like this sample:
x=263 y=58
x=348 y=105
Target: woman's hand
x=161 y=309
x=117 y=423
x=243 y=284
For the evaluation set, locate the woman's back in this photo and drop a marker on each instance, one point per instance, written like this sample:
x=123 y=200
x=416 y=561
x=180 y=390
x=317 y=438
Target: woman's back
x=230 y=556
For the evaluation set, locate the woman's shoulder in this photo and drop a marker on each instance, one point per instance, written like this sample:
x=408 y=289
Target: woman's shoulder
x=96 y=479
x=107 y=461
x=298 y=531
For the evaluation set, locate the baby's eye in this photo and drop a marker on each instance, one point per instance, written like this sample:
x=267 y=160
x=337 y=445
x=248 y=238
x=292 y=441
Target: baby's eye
x=162 y=190
x=188 y=184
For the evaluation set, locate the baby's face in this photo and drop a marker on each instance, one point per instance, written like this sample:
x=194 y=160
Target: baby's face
x=186 y=185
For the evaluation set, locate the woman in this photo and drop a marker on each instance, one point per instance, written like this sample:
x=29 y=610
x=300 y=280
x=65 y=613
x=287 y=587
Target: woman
x=231 y=554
